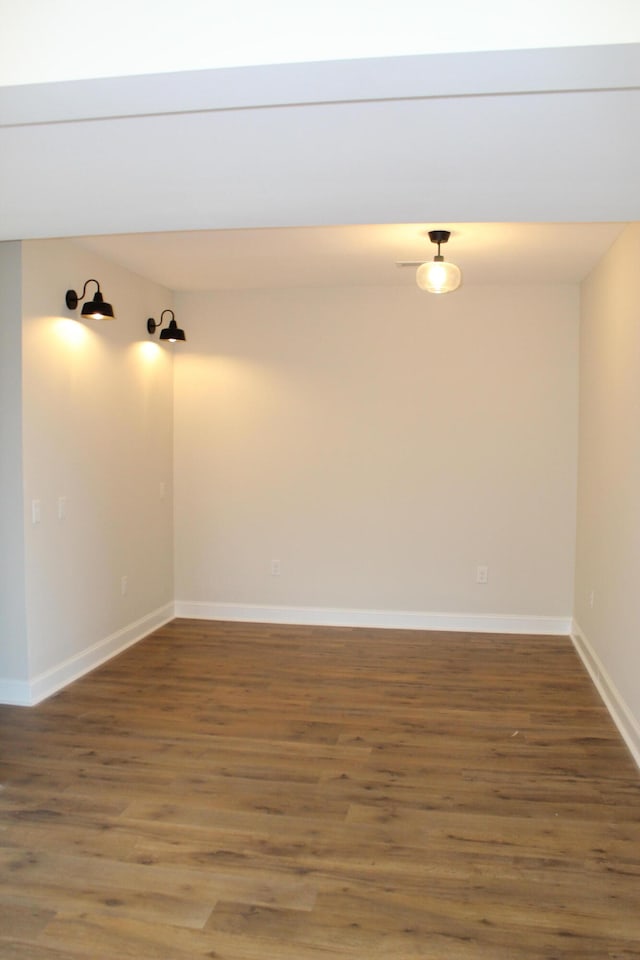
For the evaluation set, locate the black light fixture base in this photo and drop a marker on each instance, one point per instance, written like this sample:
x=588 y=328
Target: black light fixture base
x=151 y=325
x=439 y=236
x=71 y=299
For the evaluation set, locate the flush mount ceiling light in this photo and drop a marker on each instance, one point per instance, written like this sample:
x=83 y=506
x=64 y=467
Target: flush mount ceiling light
x=437 y=275
x=97 y=309
x=170 y=333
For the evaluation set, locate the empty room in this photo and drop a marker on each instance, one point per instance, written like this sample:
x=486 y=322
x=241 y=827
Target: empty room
x=319 y=628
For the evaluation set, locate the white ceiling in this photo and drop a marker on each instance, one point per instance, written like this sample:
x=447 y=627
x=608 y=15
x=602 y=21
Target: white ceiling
x=165 y=36
x=237 y=178
x=517 y=136
x=344 y=255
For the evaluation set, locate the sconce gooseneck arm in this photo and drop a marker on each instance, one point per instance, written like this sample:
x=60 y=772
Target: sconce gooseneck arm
x=152 y=325
x=72 y=299
x=84 y=289
x=172 y=332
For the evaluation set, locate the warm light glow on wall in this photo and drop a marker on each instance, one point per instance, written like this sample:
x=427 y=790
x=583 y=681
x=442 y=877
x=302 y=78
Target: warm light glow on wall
x=148 y=350
x=71 y=332
x=146 y=360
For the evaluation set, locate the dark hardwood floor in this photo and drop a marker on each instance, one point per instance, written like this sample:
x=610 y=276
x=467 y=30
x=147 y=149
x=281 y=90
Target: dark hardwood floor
x=248 y=792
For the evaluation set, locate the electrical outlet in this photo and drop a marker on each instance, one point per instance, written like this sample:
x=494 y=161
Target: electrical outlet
x=124 y=585
x=592 y=597
x=275 y=568
x=482 y=574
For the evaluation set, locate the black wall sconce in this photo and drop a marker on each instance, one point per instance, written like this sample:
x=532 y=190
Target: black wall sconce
x=170 y=333
x=97 y=309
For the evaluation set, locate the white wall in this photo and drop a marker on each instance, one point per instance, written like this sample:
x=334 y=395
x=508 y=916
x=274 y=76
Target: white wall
x=13 y=646
x=97 y=432
x=380 y=443
x=607 y=603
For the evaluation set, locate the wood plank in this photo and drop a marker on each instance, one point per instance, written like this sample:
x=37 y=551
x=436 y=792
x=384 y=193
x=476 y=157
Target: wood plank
x=248 y=791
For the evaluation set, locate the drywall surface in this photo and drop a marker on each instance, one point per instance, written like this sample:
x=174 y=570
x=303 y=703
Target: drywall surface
x=166 y=36
x=97 y=426
x=369 y=448
x=343 y=142
x=13 y=641
x=607 y=604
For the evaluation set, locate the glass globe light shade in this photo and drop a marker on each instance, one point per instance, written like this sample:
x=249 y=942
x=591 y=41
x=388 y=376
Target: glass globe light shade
x=438 y=276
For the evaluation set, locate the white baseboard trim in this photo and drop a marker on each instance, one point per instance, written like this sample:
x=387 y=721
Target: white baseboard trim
x=394 y=619
x=33 y=692
x=627 y=724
